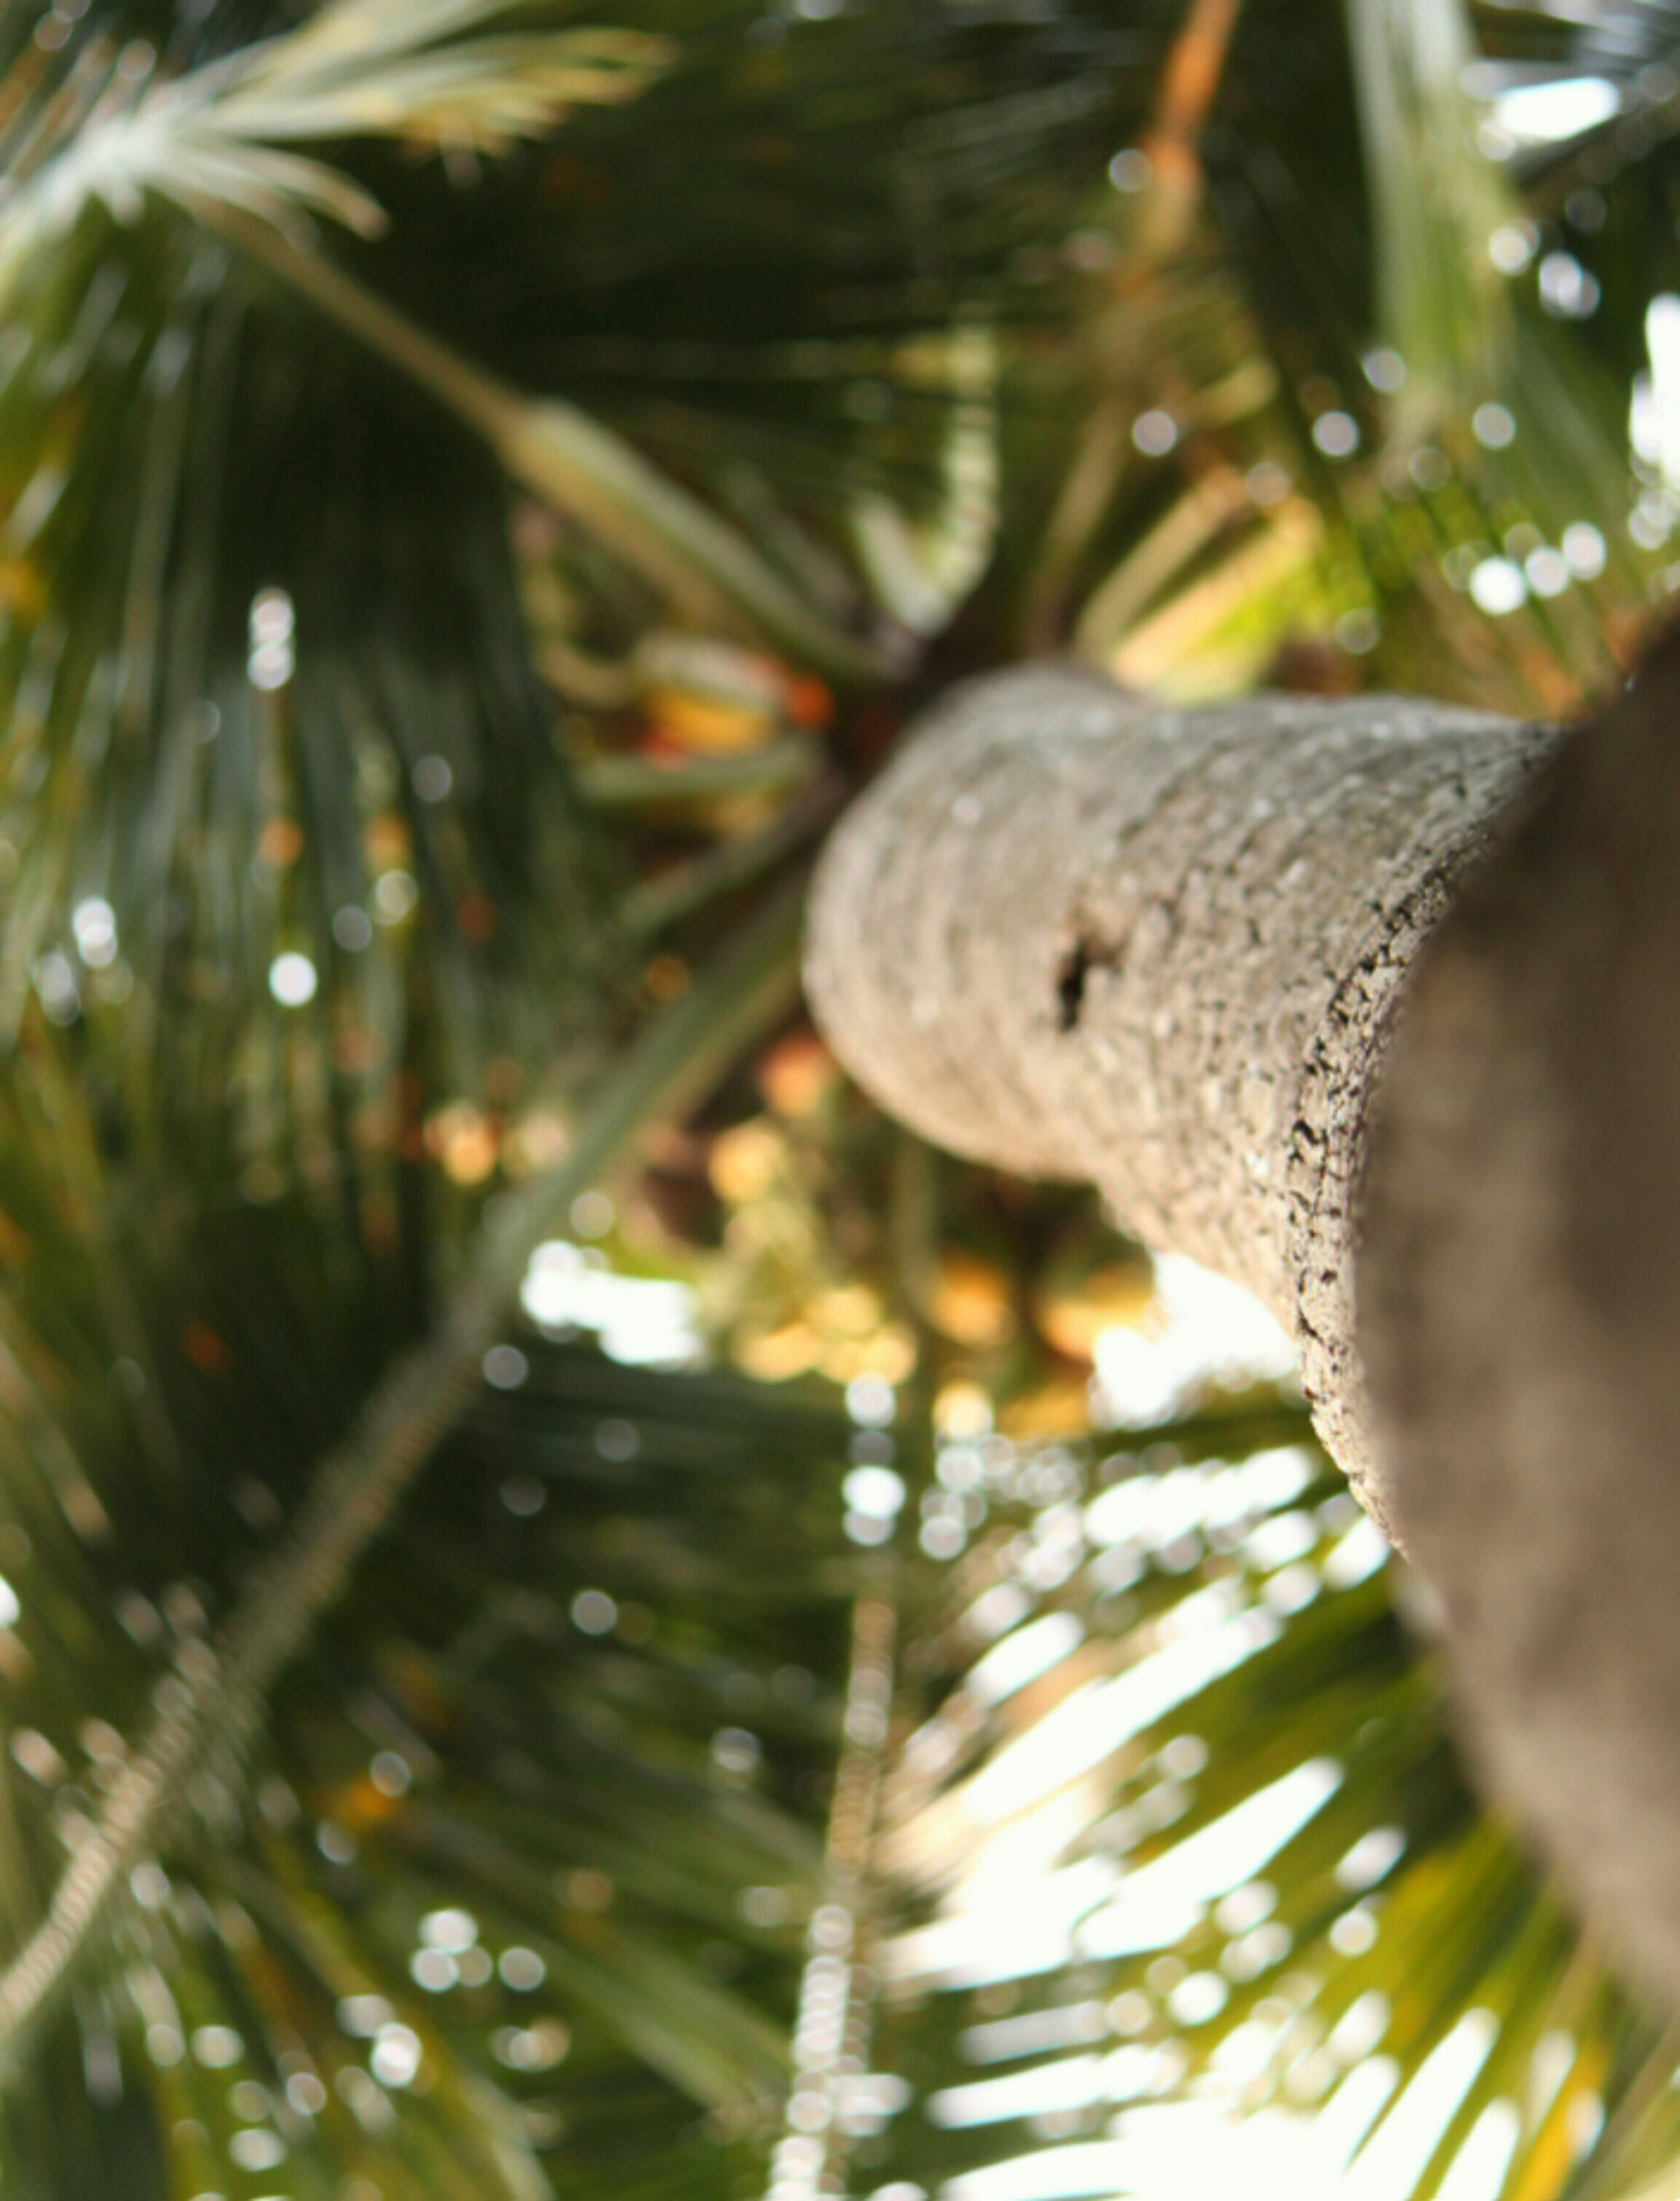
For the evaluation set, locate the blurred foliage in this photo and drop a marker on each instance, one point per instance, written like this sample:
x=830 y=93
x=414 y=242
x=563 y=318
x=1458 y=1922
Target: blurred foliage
x=822 y=1239
x=580 y=1707
x=479 y=489
x=1184 y=1822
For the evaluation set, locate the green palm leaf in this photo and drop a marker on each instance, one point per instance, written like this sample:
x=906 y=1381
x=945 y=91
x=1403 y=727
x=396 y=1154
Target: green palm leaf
x=203 y=142
x=355 y=69
x=458 y=1740
x=341 y=757
x=1383 y=420
x=1211 y=1765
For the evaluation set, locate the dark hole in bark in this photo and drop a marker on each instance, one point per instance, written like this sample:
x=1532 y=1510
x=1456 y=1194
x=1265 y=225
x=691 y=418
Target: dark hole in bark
x=1070 y=985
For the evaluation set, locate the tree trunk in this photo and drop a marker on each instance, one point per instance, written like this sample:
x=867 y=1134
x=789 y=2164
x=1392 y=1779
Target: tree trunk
x=1520 y=1295
x=1076 y=935
x=1069 y=934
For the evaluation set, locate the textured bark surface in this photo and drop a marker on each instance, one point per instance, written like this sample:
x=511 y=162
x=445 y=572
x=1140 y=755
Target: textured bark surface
x=1520 y=1298
x=1079 y=937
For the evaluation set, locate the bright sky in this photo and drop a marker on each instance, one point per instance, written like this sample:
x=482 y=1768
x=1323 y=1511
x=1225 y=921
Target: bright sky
x=645 y=1321
x=1540 y=113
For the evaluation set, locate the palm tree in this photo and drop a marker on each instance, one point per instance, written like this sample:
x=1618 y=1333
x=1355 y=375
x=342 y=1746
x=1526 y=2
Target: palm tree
x=419 y=1726
x=1189 y=941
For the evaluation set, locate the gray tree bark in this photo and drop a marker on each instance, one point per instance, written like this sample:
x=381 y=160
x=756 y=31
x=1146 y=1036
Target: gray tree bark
x=1309 y=987
x=1519 y=1294
x=1076 y=935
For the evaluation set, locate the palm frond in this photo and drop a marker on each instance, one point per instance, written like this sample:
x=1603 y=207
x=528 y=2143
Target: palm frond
x=355 y=69
x=1243 y=1865
x=1445 y=305
x=532 y=1727
x=362 y=69
x=237 y=613
x=224 y=1696
x=205 y=142
x=1435 y=476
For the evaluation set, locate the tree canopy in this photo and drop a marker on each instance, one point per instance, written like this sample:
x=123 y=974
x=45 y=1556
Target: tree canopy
x=482 y=484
